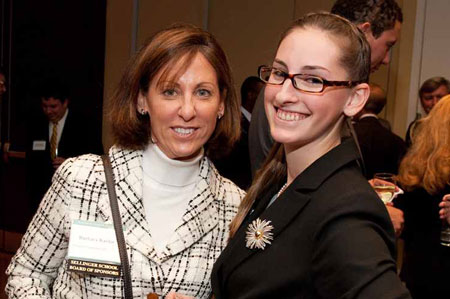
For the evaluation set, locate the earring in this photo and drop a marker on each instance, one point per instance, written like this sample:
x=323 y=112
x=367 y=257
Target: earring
x=219 y=116
x=143 y=112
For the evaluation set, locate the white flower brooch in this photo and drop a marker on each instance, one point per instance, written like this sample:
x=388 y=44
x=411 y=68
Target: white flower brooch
x=259 y=234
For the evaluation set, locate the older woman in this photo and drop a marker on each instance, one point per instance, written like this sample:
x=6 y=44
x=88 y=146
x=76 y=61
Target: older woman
x=425 y=175
x=174 y=107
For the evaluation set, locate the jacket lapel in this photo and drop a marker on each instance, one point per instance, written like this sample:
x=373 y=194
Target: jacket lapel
x=285 y=208
x=127 y=168
x=280 y=214
x=199 y=219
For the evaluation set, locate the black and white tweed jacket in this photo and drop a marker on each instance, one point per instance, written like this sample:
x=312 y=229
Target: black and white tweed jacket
x=38 y=270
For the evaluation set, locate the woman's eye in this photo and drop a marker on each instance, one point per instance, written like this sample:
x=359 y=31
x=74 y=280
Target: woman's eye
x=203 y=92
x=312 y=80
x=278 y=74
x=169 y=92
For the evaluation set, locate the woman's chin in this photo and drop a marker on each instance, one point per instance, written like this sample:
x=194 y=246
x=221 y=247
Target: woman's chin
x=186 y=155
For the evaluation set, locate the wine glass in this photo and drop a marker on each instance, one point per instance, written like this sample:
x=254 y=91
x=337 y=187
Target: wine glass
x=384 y=185
x=445 y=234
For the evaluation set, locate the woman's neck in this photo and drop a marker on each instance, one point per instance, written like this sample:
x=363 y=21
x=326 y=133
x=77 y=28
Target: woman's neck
x=298 y=158
x=168 y=171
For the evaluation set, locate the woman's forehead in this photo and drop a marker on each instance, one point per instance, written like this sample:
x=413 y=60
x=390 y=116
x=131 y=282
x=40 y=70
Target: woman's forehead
x=309 y=48
x=195 y=62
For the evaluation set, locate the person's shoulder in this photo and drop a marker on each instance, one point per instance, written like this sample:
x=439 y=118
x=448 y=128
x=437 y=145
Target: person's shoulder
x=347 y=200
x=81 y=166
x=348 y=189
x=226 y=191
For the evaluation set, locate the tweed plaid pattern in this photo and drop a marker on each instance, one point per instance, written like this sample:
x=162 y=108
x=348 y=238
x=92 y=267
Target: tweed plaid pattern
x=79 y=191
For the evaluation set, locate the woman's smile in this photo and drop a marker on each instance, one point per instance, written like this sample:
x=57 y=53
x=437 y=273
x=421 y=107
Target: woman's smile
x=290 y=115
x=183 y=131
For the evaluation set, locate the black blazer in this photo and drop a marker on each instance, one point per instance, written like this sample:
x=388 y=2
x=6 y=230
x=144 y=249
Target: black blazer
x=332 y=239
x=381 y=149
x=78 y=137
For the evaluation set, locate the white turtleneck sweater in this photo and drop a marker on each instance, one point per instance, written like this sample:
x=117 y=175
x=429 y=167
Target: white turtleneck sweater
x=168 y=185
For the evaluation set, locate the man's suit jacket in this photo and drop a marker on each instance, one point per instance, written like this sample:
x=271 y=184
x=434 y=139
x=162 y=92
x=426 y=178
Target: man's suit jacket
x=381 y=149
x=236 y=165
x=332 y=238
x=410 y=131
x=79 y=192
x=78 y=137
x=259 y=140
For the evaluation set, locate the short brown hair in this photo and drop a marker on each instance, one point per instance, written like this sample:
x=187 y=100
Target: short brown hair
x=381 y=14
x=432 y=84
x=162 y=52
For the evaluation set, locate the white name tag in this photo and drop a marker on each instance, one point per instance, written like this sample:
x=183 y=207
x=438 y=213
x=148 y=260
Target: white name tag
x=39 y=145
x=93 y=249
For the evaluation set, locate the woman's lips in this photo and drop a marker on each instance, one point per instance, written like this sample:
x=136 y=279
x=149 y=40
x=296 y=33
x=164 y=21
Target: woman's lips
x=184 y=131
x=289 y=115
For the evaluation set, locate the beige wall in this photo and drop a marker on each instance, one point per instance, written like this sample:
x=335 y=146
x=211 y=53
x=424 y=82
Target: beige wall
x=119 y=16
x=155 y=15
x=401 y=72
x=248 y=31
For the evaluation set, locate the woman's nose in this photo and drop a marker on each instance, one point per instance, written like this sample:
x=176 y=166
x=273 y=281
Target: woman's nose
x=286 y=93
x=187 y=109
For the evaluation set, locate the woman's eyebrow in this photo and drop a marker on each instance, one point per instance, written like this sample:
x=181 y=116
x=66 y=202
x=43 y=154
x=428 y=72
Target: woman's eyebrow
x=314 y=67
x=306 y=67
x=280 y=62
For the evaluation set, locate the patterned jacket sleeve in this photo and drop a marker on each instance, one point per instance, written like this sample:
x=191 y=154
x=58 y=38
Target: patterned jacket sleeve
x=44 y=245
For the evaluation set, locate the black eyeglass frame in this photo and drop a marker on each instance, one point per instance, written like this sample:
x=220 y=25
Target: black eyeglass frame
x=325 y=83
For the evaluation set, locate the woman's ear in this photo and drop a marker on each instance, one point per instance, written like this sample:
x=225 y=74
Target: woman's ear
x=223 y=97
x=221 y=108
x=357 y=99
x=142 y=103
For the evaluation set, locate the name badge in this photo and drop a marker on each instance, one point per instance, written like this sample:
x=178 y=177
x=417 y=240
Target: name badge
x=93 y=249
x=39 y=145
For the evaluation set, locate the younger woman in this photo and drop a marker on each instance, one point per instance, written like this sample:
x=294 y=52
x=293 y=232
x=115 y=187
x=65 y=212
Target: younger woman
x=311 y=226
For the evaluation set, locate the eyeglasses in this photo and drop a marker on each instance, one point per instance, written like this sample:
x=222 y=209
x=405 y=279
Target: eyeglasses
x=303 y=82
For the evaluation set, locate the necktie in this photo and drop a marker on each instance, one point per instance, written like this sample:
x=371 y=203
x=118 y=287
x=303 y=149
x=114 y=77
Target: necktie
x=54 y=141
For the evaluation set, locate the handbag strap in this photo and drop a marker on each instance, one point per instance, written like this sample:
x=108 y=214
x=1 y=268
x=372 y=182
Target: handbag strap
x=118 y=226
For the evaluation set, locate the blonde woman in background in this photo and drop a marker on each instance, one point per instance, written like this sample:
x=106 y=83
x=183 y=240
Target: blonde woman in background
x=425 y=175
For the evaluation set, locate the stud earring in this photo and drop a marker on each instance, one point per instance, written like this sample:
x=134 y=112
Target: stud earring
x=143 y=112
x=219 y=116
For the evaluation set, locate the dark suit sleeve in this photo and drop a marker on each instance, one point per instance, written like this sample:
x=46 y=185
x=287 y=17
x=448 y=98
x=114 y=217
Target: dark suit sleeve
x=353 y=256
x=259 y=140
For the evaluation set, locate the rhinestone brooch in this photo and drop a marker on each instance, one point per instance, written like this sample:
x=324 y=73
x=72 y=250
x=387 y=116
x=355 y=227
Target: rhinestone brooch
x=259 y=234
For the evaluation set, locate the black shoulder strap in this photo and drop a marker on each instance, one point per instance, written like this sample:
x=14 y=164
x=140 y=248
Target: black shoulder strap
x=118 y=226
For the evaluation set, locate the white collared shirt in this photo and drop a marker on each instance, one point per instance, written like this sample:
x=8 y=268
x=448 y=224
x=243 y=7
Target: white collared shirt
x=368 y=115
x=247 y=114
